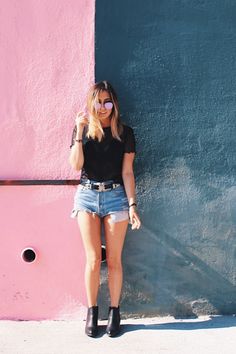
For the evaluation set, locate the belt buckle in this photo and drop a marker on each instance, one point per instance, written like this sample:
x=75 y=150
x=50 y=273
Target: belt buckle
x=101 y=187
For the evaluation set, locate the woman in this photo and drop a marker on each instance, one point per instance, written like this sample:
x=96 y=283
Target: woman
x=104 y=149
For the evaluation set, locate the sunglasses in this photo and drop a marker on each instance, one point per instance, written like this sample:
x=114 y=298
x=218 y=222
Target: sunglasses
x=107 y=105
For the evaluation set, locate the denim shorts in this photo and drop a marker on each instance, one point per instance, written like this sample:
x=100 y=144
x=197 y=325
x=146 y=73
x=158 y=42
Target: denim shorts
x=113 y=202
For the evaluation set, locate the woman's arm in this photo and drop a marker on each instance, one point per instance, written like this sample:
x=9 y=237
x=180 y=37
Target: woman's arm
x=76 y=158
x=128 y=176
x=129 y=184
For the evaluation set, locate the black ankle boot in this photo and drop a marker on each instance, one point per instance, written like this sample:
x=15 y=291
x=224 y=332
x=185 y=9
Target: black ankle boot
x=113 y=325
x=91 y=328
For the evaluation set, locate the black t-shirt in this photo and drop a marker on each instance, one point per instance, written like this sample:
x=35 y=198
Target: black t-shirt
x=103 y=160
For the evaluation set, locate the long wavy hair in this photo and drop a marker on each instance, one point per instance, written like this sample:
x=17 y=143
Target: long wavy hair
x=95 y=129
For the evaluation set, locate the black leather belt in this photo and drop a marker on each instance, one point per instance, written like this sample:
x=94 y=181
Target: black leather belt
x=100 y=186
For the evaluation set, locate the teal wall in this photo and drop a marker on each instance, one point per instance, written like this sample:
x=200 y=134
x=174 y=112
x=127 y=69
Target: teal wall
x=173 y=64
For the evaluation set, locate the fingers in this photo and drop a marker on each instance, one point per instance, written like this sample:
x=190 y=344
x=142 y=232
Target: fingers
x=81 y=113
x=135 y=221
x=81 y=118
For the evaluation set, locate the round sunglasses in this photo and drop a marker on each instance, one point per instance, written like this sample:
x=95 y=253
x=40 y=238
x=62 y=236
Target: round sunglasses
x=107 y=105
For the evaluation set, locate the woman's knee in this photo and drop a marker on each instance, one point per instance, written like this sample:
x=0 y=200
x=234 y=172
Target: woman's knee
x=114 y=264
x=94 y=264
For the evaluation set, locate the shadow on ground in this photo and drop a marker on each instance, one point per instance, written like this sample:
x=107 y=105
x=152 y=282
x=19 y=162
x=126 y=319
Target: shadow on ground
x=211 y=323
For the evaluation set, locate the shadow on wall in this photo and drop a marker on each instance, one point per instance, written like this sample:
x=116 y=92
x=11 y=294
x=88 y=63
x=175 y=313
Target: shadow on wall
x=172 y=281
x=181 y=262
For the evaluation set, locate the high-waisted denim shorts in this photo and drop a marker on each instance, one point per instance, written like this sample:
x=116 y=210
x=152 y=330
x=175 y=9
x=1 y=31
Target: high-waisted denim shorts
x=113 y=202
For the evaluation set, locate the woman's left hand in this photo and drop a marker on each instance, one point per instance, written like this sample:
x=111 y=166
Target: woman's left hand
x=134 y=218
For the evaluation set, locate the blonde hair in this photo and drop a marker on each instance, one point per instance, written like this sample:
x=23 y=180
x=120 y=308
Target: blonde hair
x=95 y=129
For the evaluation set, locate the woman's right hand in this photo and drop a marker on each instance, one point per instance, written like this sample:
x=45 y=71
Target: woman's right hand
x=81 y=120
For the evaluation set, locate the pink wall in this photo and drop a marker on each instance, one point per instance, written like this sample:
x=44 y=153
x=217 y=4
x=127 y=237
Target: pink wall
x=47 y=65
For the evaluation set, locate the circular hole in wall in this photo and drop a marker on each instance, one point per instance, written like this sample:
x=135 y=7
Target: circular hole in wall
x=28 y=255
x=103 y=250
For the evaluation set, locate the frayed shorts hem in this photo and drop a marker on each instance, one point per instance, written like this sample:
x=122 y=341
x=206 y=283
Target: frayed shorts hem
x=116 y=216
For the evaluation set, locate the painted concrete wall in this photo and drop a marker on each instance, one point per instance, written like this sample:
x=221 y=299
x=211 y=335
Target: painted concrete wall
x=173 y=65
x=47 y=65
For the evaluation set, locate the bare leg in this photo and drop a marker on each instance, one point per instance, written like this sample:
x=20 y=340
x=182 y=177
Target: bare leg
x=90 y=229
x=115 y=236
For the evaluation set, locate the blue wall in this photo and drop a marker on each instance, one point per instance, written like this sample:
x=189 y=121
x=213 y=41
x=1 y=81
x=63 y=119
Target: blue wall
x=173 y=64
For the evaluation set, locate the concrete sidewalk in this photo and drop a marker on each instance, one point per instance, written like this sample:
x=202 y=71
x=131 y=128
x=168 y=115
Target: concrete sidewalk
x=204 y=335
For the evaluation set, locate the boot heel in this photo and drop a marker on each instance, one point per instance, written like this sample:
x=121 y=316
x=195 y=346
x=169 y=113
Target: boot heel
x=113 y=325
x=91 y=328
